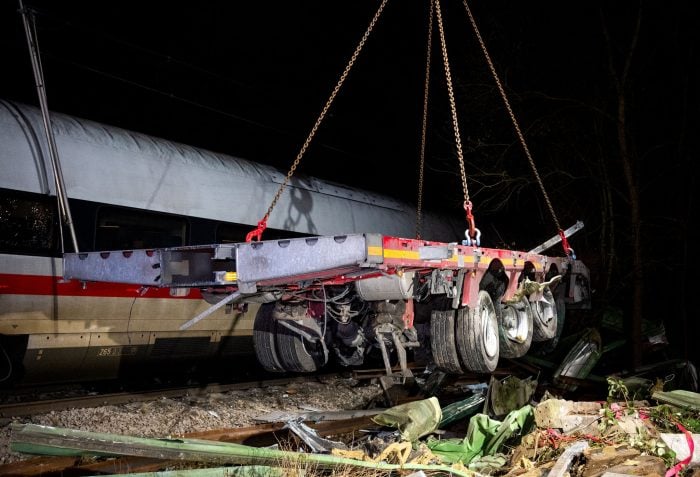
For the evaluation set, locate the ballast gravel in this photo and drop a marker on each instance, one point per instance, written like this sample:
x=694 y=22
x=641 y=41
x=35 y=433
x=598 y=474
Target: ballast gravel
x=200 y=411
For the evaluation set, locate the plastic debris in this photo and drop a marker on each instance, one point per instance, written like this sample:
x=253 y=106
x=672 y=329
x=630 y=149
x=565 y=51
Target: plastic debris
x=413 y=419
x=563 y=464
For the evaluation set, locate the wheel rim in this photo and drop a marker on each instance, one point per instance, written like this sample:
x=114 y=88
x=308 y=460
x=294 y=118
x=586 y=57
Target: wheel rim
x=478 y=336
x=487 y=316
x=515 y=325
x=545 y=308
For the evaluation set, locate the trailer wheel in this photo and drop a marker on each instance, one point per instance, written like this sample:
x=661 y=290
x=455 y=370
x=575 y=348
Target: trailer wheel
x=298 y=353
x=442 y=341
x=477 y=335
x=515 y=329
x=264 y=329
x=545 y=317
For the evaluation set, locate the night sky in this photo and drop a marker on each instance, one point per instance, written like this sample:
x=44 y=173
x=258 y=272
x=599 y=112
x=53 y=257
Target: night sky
x=250 y=78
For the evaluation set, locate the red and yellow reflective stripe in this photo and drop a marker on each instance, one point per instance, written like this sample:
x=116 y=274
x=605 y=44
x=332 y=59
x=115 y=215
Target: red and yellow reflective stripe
x=406 y=254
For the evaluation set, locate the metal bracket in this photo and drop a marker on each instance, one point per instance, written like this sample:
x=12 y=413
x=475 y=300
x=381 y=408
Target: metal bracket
x=441 y=283
x=229 y=299
x=457 y=298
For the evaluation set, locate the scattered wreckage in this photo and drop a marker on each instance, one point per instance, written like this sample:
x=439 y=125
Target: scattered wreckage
x=497 y=429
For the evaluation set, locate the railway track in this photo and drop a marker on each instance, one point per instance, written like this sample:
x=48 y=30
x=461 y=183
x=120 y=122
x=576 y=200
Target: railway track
x=43 y=399
x=29 y=406
x=41 y=406
x=214 y=412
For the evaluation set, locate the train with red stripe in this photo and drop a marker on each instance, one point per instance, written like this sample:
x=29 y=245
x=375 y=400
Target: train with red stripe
x=131 y=191
x=164 y=276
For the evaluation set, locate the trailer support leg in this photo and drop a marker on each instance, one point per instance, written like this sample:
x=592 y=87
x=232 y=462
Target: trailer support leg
x=229 y=299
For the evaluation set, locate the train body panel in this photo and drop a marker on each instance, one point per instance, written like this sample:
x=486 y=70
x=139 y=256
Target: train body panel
x=113 y=166
x=36 y=299
x=70 y=331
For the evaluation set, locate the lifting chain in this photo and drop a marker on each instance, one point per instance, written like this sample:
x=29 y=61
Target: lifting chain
x=518 y=132
x=473 y=236
x=429 y=48
x=262 y=224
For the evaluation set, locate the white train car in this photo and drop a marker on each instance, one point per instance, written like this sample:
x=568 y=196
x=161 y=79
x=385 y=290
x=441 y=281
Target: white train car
x=127 y=191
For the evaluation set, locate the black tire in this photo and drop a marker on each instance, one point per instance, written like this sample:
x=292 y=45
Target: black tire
x=544 y=312
x=264 y=330
x=442 y=341
x=515 y=329
x=477 y=335
x=297 y=353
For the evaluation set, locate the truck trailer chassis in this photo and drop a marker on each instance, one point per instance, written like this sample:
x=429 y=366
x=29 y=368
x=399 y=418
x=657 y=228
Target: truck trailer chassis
x=354 y=295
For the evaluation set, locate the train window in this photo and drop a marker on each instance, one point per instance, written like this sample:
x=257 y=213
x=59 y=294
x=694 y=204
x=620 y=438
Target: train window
x=126 y=229
x=230 y=233
x=28 y=223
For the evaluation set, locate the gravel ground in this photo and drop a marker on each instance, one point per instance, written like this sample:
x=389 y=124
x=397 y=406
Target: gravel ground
x=193 y=413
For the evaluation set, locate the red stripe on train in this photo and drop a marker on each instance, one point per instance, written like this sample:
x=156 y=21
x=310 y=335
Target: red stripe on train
x=15 y=284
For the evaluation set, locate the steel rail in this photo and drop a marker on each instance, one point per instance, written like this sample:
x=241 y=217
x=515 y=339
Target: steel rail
x=45 y=406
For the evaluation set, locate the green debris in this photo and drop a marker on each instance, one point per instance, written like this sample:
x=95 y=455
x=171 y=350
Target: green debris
x=413 y=419
x=666 y=418
x=508 y=394
x=680 y=398
x=238 y=471
x=485 y=436
x=461 y=409
x=46 y=440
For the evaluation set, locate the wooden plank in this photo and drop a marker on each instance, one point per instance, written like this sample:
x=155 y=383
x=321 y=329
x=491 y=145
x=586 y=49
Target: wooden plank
x=121 y=465
x=238 y=435
x=37 y=466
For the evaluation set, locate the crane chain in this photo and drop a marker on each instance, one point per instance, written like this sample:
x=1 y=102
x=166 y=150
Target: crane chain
x=511 y=114
x=429 y=48
x=473 y=235
x=453 y=106
x=263 y=223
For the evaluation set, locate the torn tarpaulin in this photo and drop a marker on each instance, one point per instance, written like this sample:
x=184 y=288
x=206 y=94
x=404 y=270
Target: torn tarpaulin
x=484 y=436
x=413 y=419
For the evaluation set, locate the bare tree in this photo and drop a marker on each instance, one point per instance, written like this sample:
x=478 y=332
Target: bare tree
x=620 y=77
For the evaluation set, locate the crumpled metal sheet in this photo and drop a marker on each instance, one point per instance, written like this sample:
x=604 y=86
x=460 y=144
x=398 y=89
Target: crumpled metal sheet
x=508 y=394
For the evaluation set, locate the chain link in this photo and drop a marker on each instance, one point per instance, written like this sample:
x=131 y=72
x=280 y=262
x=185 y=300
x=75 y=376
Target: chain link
x=424 y=129
x=510 y=113
x=453 y=106
x=325 y=109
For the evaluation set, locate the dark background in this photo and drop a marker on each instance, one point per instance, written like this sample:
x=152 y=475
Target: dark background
x=605 y=94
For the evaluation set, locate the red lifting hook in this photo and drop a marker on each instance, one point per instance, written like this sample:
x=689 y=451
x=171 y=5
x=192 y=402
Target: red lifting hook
x=257 y=232
x=470 y=219
x=565 y=243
